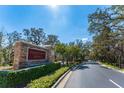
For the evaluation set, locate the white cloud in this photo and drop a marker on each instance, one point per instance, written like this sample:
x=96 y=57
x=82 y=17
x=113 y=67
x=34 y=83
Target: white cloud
x=84 y=39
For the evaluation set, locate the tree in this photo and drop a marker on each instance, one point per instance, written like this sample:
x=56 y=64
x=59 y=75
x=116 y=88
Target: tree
x=85 y=50
x=51 y=40
x=107 y=26
x=79 y=43
x=1 y=41
x=73 y=52
x=99 y=23
x=35 y=36
x=60 y=51
x=13 y=37
x=7 y=51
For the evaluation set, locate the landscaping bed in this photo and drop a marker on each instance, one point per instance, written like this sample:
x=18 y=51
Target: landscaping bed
x=49 y=80
x=20 y=78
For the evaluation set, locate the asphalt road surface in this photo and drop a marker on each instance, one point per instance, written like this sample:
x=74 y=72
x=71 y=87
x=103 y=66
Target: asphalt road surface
x=93 y=75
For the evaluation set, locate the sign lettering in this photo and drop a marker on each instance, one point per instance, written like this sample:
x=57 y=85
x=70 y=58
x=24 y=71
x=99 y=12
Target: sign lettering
x=34 y=54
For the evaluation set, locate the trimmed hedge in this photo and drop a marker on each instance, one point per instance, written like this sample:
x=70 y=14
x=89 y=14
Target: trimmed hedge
x=49 y=80
x=21 y=77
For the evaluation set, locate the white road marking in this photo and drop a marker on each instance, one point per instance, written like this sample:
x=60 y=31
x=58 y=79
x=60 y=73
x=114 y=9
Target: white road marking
x=115 y=83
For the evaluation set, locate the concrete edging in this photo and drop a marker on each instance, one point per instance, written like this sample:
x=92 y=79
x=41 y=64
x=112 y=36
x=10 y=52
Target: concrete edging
x=62 y=77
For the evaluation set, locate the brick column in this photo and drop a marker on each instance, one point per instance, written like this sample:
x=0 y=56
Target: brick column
x=17 y=54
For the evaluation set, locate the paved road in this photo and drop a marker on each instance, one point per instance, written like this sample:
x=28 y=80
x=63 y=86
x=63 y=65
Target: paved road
x=92 y=75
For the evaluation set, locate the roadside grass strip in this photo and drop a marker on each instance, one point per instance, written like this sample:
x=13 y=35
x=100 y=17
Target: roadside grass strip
x=49 y=80
x=112 y=67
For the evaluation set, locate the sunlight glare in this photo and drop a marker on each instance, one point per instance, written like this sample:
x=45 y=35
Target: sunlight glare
x=53 y=6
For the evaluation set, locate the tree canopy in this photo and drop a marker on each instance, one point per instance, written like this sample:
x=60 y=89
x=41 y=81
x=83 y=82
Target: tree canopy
x=107 y=25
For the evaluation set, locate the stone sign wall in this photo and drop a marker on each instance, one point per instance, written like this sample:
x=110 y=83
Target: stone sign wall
x=26 y=55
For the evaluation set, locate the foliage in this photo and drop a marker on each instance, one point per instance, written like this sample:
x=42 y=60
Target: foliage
x=20 y=78
x=6 y=46
x=7 y=58
x=60 y=50
x=74 y=51
x=49 y=80
x=35 y=36
x=13 y=37
x=1 y=39
x=51 y=40
x=107 y=25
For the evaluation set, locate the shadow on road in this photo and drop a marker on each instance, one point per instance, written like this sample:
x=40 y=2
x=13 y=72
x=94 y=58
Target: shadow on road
x=82 y=67
x=104 y=67
x=93 y=63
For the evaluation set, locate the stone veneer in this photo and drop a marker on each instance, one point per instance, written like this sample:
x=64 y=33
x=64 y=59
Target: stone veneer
x=21 y=53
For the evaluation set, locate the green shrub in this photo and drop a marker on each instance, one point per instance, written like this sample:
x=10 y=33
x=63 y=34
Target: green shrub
x=49 y=80
x=21 y=77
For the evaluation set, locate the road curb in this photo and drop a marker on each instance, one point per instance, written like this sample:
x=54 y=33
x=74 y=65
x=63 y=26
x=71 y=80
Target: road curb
x=62 y=77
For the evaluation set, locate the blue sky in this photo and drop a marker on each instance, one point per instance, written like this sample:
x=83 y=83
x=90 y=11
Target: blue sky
x=67 y=22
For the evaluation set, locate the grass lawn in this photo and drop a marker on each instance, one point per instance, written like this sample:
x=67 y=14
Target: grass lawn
x=49 y=80
x=112 y=66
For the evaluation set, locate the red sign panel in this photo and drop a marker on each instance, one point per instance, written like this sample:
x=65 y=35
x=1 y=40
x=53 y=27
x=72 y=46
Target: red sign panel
x=34 y=54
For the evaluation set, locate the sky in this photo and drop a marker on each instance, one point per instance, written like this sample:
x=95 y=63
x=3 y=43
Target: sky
x=67 y=22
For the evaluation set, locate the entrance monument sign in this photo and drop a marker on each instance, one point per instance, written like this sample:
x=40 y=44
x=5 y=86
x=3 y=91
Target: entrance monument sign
x=26 y=55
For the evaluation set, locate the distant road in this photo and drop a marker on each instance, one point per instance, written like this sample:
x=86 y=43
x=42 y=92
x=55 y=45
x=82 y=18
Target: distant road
x=93 y=75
